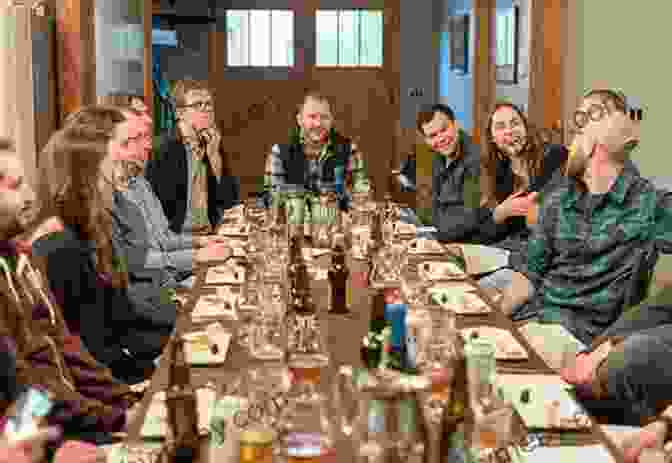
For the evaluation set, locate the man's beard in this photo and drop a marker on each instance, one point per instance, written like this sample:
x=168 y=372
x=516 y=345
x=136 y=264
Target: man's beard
x=577 y=162
x=22 y=224
x=316 y=136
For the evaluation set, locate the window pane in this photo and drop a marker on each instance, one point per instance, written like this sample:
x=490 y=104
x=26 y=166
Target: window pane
x=237 y=34
x=372 y=38
x=282 y=45
x=326 y=31
x=260 y=41
x=348 y=53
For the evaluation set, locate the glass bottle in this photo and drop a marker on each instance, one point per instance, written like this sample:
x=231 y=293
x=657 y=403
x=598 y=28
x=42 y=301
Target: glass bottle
x=182 y=407
x=339 y=282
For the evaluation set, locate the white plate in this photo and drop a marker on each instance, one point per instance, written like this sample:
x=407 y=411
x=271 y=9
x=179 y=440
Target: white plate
x=506 y=346
x=229 y=273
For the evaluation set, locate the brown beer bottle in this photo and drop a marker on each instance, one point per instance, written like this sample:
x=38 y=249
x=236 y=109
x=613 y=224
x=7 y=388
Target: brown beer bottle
x=339 y=281
x=182 y=407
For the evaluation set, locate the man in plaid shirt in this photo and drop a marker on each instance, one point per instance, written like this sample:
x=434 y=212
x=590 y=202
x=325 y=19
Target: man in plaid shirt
x=317 y=159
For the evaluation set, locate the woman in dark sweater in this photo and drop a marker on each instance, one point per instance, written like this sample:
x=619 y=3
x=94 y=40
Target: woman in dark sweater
x=515 y=169
x=124 y=326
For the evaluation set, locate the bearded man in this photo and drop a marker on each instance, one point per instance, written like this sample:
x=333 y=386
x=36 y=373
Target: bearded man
x=316 y=159
x=89 y=401
x=590 y=229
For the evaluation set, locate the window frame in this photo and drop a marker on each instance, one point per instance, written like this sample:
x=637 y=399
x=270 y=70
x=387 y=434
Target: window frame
x=250 y=68
x=368 y=67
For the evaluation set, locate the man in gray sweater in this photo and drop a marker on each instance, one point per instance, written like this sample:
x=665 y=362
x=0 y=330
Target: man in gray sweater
x=141 y=221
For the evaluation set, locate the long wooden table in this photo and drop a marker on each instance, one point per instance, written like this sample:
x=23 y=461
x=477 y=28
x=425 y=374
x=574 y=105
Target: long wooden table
x=343 y=337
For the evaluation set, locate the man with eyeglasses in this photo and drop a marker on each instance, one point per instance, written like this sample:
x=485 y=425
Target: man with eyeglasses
x=189 y=172
x=584 y=246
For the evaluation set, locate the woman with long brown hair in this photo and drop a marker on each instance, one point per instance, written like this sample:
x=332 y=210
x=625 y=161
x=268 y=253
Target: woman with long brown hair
x=515 y=168
x=124 y=326
x=32 y=329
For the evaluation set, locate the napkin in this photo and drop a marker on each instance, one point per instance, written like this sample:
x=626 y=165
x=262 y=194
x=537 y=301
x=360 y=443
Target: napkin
x=484 y=259
x=142 y=452
x=425 y=246
x=550 y=404
x=198 y=345
x=459 y=298
x=222 y=304
x=403 y=228
x=156 y=420
x=234 y=230
x=226 y=274
x=550 y=341
x=441 y=271
x=506 y=346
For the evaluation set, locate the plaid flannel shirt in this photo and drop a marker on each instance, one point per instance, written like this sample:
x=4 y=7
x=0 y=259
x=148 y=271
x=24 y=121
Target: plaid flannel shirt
x=352 y=176
x=581 y=253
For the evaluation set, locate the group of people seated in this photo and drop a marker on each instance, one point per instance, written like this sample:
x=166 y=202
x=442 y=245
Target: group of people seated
x=577 y=222
x=93 y=255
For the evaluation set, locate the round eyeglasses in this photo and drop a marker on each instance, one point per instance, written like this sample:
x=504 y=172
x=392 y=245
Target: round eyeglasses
x=205 y=106
x=594 y=113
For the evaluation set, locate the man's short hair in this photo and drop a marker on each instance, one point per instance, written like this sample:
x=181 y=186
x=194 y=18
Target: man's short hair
x=313 y=94
x=183 y=87
x=119 y=99
x=426 y=114
x=616 y=98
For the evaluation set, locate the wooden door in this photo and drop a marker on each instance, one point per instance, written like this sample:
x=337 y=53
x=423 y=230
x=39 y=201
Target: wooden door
x=256 y=107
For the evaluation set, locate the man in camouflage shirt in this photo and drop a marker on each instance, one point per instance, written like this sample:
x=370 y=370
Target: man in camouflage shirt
x=583 y=249
x=317 y=159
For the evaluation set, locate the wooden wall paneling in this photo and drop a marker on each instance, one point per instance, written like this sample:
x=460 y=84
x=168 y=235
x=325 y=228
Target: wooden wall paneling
x=8 y=28
x=553 y=62
x=547 y=40
x=44 y=71
x=24 y=129
x=27 y=102
x=571 y=94
x=484 y=87
x=147 y=12
x=76 y=54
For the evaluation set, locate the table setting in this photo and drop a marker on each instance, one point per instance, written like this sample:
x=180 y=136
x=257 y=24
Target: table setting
x=408 y=354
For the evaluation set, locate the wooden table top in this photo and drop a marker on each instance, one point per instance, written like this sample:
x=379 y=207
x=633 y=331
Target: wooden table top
x=343 y=337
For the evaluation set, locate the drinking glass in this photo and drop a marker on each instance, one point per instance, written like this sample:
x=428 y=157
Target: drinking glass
x=481 y=374
x=268 y=342
x=246 y=315
x=415 y=287
x=307 y=353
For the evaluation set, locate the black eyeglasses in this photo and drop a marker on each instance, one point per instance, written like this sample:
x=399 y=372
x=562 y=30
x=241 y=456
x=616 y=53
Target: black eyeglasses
x=594 y=113
x=201 y=106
